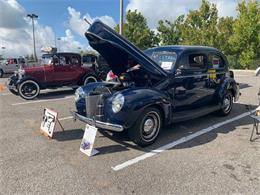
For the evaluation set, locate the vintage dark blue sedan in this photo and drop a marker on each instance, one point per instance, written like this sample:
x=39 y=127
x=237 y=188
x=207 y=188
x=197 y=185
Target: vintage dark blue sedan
x=156 y=87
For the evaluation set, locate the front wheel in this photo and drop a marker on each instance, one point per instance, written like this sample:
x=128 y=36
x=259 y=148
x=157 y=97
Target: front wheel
x=13 y=91
x=29 y=89
x=147 y=127
x=227 y=104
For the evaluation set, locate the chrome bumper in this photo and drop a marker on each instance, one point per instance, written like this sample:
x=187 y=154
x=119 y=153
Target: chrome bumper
x=98 y=124
x=238 y=93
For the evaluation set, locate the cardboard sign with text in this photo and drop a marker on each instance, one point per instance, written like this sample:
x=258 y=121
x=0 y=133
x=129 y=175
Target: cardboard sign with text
x=48 y=122
x=88 y=140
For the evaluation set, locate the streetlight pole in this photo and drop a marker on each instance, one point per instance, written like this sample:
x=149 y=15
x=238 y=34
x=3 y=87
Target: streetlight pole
x=33 y=16
x=121 y=17
x=58 y=45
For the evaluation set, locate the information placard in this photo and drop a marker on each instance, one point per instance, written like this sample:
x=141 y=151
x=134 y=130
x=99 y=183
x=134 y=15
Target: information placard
x=88 y=140
x=49 y=121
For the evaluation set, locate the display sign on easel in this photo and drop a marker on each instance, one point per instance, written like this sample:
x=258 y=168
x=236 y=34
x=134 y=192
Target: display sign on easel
x=49 y=121
x=87 y=143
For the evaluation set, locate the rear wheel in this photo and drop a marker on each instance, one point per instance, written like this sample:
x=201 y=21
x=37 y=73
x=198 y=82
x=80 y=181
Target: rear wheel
x=227 y=104
x=89 y=79
x=29 y=89
x=147 y=127
x=1 y=73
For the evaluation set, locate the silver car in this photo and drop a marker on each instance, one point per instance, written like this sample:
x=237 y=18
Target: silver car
x=11 y=65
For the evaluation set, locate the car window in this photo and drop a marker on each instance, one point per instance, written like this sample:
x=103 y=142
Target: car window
x=195 y=62
x=74 y=60
x=216 y=61
x=165 y=59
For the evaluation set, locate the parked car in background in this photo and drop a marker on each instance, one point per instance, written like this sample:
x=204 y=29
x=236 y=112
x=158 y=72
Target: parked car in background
x=96 y=61
x=170 y=84
x=11 y=65
x=257 y=71
x=56 y=70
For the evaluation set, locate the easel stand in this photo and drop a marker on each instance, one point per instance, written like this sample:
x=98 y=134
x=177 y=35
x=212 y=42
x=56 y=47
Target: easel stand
x=47 y=135
x=255 y=127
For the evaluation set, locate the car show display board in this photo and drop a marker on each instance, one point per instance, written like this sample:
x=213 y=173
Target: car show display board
x=88 y=140
x=49 y=121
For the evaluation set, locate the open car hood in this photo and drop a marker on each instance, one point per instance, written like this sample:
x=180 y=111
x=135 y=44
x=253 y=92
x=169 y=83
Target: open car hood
x=117 y=50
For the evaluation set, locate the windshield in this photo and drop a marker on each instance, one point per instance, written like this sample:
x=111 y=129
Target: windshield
x=166 y=59
x=46 y=60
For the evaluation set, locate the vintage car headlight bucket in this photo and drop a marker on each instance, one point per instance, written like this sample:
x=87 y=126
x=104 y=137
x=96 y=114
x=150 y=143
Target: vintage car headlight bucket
x=117 y=103
x=79 y=93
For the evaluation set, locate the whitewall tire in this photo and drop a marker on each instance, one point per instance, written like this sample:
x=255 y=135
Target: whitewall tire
x=29 y=89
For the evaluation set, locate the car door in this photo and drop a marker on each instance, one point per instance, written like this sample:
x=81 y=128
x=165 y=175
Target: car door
x=64 y=72
x=11 y=65
x=217 y=68
x=190 y=82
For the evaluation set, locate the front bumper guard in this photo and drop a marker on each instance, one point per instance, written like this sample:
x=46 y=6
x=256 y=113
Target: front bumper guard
x=96 y=123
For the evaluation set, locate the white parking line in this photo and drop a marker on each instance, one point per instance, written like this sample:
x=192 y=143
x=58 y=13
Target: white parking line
x=3 y=94
x=39 y=101
x=179 y=141
x=65 y=118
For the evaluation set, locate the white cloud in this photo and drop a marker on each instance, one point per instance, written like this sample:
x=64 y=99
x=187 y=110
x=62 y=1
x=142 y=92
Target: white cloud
x=16 y=33
x=154 y=10
x=78 y=25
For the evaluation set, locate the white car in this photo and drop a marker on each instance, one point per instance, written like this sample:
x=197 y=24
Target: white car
x=257 y=71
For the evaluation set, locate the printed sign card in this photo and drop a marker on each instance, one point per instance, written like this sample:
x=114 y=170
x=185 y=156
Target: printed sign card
x=166 y=65
x=49 y=121
x=88 y=140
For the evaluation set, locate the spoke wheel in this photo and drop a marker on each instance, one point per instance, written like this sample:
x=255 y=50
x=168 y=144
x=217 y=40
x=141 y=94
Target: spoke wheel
x=90 y=79
x=29 y=89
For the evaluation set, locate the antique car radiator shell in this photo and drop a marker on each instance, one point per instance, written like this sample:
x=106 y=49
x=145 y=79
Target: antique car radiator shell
x=94 y=106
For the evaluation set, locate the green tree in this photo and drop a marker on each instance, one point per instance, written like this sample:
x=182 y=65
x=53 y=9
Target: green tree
x=170 y=33
x=225 y=31
x=137 y=31
x=246 y=38
x=199 y=27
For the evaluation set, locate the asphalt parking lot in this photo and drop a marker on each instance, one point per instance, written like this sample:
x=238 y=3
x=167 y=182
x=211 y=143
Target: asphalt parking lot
x=208 y=155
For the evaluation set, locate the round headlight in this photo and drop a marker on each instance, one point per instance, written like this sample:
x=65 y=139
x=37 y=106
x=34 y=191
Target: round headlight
x=118 y=103
x=79 y=93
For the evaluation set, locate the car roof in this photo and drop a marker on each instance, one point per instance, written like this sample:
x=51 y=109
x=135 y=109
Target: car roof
x=186 y=48
x=60 y=53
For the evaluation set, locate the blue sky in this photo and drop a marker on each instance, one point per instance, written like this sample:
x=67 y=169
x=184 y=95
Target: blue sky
x=64 y=19
x=54 y=13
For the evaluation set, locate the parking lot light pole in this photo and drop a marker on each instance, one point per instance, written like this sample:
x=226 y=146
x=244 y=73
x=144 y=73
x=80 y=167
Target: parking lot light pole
x=33 y=16
x=121 y=17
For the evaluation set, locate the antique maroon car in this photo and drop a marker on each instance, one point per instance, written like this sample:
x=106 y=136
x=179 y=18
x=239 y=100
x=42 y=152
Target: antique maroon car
x=56 y=70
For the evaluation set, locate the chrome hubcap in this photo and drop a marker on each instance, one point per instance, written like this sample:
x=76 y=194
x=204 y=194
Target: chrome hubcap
x=148 y=125
x=227 y=103
x=151 y=126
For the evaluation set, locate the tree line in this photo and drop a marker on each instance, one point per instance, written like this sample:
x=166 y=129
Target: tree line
x=238 y=38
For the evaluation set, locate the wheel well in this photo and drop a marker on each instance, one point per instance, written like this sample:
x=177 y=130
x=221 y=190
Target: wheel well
x=30 y=79
x=86 y=76
x=159 y=107
x=232 y=91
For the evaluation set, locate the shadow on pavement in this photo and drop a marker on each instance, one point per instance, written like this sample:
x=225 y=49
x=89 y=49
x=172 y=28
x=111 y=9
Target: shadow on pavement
x=169 y=133
x=47 y=95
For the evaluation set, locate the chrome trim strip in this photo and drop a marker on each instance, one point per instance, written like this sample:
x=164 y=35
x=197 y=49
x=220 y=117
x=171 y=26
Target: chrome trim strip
x=98 y=124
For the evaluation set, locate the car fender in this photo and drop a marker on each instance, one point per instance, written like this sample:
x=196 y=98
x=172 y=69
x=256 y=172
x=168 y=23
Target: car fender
x=25 y=78
x=228 y=84
x=136 y=101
